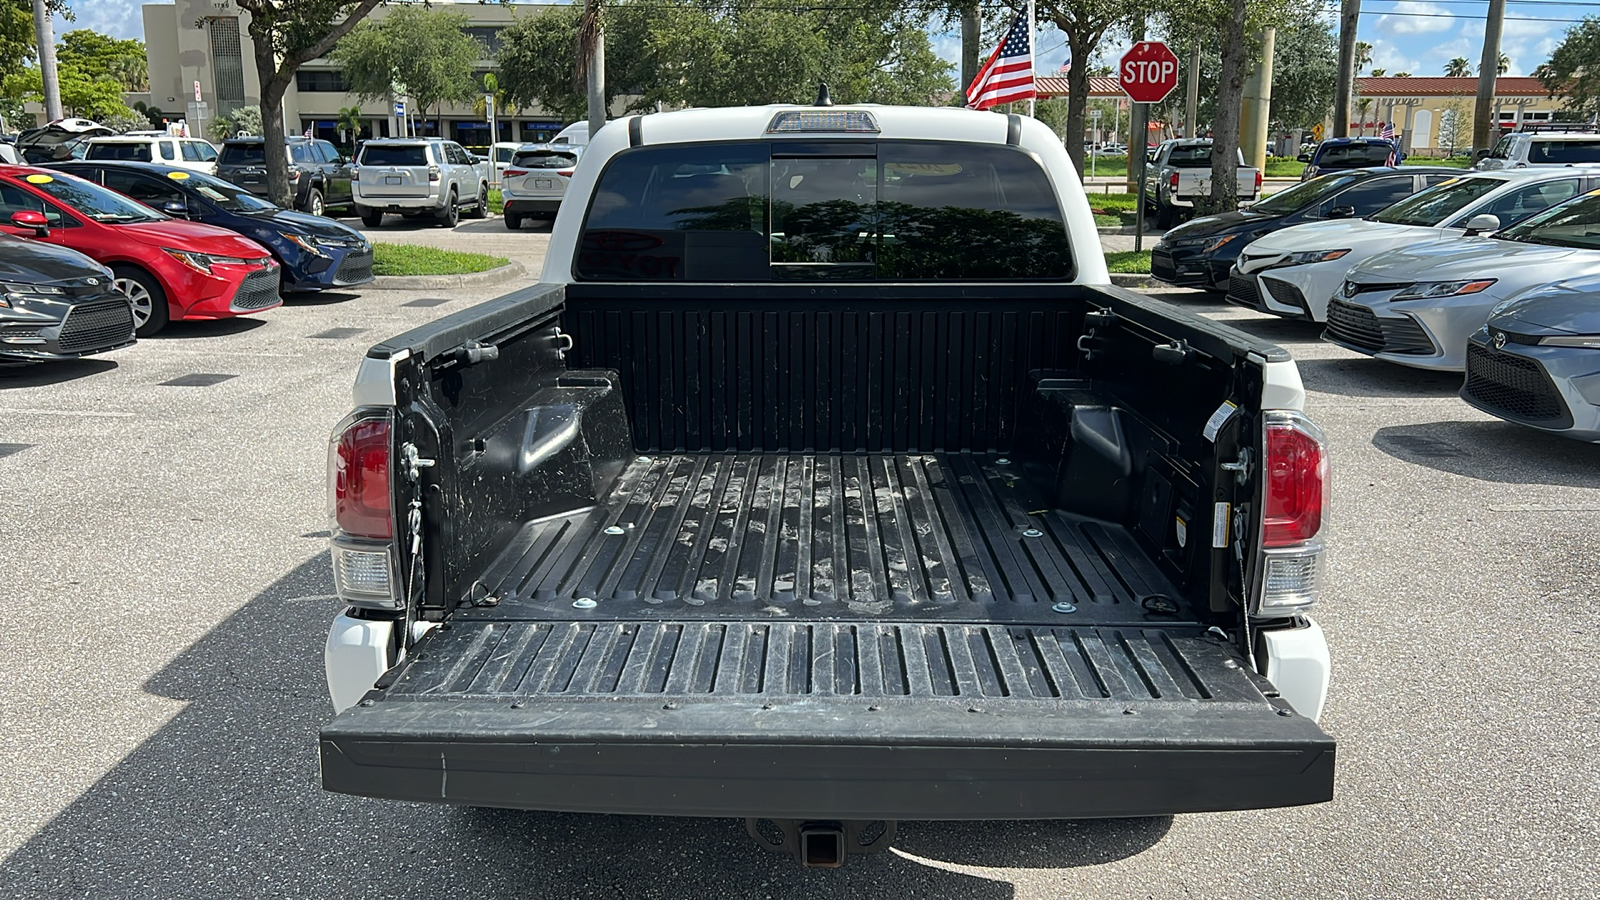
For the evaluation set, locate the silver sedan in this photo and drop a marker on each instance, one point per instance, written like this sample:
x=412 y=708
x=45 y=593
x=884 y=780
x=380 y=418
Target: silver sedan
x=1417 y=306
x=1537 y=361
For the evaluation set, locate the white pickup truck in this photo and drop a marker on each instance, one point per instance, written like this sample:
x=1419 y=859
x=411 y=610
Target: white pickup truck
x=824 y=482
x=1181 y=171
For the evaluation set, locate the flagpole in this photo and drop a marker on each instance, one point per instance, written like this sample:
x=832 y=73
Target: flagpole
x=1033 y=34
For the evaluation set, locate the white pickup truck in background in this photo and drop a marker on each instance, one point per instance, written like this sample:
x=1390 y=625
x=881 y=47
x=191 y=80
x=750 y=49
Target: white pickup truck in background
x=1181 y=171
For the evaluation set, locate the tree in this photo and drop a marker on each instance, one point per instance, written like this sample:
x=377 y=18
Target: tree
x=1502 y=67
x=1573 y=70
x=425 y=50
x=1378 y=73
x=98 y=56
x=683 y=53
x=1402 y=74
x=491 y=88
x=1086 y=23
x=1305 y=74
x=1363 y=106
x=91 y=98
x=1455 y=127
x=1458 y=68
x=286 y=34
x=1363 y=55
x=349 y=124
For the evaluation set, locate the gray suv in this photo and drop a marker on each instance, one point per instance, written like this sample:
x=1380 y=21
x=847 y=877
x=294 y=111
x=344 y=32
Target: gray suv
x=412 y=176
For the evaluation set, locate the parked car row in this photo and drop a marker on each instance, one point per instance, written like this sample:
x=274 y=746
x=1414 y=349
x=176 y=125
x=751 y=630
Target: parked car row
x=1493 y=273
x=115 y=249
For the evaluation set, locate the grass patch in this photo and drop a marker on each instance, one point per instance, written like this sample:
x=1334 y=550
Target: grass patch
x=1129 y=262
x=413 y=259
x=1111 y=204
x=1283 y=167
x=497 y=205
x=1454 y=162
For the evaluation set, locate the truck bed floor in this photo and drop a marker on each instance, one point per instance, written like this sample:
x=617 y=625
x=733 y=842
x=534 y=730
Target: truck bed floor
x=952 y=537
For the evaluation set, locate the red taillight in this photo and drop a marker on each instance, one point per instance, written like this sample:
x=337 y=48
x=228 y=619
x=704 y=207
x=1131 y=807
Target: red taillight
x=566 y=172
x=1258 y=179
x=1296 y=482
x=358 y=476
x=355 y=173
x=511 y=173
x=433 y=173
x=1173 y=181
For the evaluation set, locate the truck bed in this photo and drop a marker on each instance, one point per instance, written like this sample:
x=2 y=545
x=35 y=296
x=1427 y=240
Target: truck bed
x=709 y=640
x=901 y=537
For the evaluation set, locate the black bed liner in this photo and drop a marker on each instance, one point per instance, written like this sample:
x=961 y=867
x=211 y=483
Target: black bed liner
x=828 y=637
x=908 y=536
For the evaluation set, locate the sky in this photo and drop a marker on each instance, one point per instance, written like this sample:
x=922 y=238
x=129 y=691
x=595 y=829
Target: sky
x=1416 y=36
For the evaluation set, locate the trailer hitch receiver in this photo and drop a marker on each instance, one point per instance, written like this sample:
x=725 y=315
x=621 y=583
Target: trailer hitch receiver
x=821 y=844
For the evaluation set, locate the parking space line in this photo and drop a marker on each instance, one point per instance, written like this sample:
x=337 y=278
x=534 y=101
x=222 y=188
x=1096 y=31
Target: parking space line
x=9 y=449
x=336 y=333
x=83 y=413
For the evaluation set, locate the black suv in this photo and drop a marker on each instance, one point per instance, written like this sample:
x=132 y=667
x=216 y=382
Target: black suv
x=319 y=175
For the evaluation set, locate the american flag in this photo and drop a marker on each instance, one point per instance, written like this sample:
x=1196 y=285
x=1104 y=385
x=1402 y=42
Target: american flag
x=308 y=132
x=1388 y=130
x=1008 y=75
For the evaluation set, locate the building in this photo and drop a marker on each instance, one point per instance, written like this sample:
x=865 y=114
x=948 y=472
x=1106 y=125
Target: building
x=202 y=65
x=1417 y=106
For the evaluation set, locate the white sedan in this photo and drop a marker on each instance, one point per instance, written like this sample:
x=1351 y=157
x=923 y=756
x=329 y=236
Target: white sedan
x=1419 y=305
x=1295 y=271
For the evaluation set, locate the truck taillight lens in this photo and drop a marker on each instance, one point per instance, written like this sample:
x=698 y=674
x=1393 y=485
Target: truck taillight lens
x=358 y=476
x=1258 y=180
x=433 y=173
x=1294 y=509
x=1173 y=181
x=1297 y=481
x=355 y=173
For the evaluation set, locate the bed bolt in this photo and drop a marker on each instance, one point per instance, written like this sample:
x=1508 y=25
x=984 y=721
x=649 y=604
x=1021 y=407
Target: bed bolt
x=766 y=706
x=1229 y=664
x=1130 y=711
x=1002 y=461
x=584 y=603
x=368 y=702
x=974 y=709
x=519 y=704
x=1033 y=532
x=669 y=705
x=1285 y=712
x=616 y=529
x=874 y=708
x=1064 y=608
x=644 y=459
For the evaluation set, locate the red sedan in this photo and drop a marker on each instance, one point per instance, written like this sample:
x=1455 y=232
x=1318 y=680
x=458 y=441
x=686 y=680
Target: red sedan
x=169 y=268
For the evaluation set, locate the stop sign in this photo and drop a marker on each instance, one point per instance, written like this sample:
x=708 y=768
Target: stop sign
x=1148 y=72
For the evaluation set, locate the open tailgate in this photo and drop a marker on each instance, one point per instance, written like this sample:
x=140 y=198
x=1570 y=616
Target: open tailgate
x=828 y=720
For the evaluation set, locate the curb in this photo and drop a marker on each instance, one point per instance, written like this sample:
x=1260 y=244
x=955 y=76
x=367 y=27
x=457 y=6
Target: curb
x=1134 y=280
x=499 y=275
x=1130 y=230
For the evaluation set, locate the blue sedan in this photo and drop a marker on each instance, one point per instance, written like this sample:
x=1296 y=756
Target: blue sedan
x=315 y=252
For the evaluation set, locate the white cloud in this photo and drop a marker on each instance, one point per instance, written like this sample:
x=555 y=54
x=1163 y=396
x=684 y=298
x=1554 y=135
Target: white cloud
x=118 y=18
x=1416 y=18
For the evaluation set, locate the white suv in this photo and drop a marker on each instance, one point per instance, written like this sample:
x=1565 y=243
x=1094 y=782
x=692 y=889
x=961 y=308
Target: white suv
x=412 y=176
x=1522 y=149
x=183 y=153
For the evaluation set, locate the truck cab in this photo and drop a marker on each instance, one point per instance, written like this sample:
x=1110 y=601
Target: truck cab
x=824 y=482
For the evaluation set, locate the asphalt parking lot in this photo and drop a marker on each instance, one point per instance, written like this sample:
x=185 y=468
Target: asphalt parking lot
x=167 y=592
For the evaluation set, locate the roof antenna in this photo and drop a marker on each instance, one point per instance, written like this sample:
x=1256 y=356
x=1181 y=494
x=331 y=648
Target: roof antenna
x=822 y=95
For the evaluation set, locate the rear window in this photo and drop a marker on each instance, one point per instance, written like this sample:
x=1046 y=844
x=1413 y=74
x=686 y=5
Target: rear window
x=392 y=155
x=1354 y=155
x=1194 y=157
x=544 y=159
x=1560 y=153
x=127 y=152
x=894 y=211
x=243 y=154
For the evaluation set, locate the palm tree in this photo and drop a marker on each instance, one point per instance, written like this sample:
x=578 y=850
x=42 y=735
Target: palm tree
x=1402 y=74
x=1363 y=55
x=1458 y=68
x=1379 y=73
x=1365 y=106
x=491 y=88
x=349 y=124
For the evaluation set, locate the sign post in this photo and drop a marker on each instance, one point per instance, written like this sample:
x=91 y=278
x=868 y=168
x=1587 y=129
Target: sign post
x=1148 y=72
